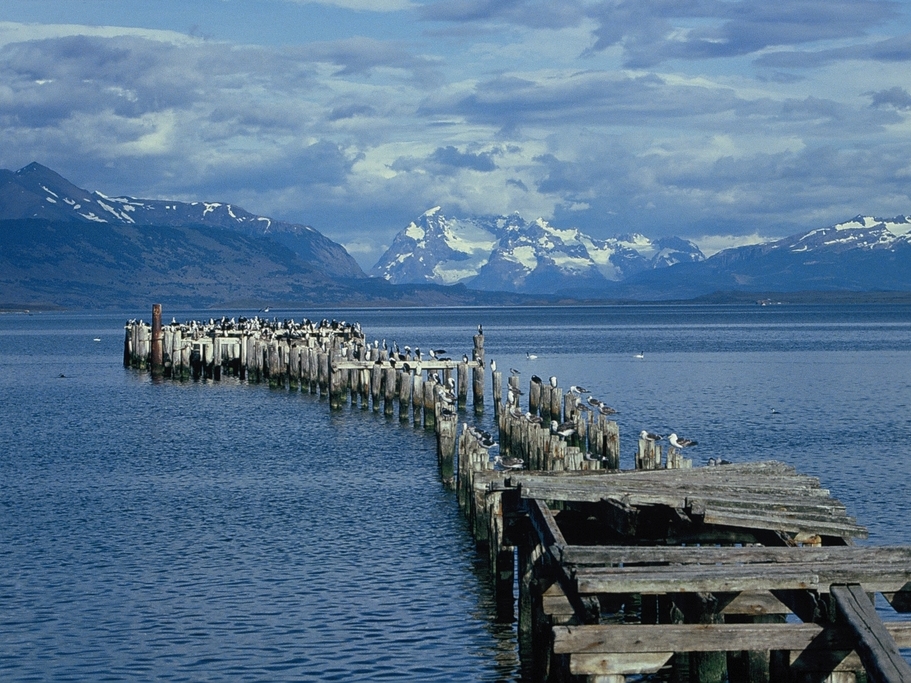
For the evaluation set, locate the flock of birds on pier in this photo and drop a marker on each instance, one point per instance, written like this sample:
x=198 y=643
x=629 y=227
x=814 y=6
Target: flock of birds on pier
x=410 y=360
x=567 y=428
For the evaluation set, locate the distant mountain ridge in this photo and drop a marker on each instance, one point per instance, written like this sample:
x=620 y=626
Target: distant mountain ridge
x=37 y=192
x=508 y=253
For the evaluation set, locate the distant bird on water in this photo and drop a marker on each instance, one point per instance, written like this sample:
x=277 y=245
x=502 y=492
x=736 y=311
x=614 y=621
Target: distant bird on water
x=680 y=442
x=641 y=354
x=530 y=356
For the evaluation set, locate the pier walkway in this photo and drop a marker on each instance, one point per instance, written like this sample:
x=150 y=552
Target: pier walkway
x=734 y=572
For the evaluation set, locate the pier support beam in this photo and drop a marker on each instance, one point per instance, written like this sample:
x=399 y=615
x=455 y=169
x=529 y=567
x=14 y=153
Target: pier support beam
x=157 y=358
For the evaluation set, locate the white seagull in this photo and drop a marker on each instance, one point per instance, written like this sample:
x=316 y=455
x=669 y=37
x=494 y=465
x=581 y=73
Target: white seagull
x=680 y=442
x=649 y=436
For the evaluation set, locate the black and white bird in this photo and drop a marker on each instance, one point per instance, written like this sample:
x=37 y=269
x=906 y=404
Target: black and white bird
x=530 y=356
x=508 y=463
x=606 y=410
x=553 y=381
x=565 y=429
x=680 y=442
x=574 y=389
x=650 y=436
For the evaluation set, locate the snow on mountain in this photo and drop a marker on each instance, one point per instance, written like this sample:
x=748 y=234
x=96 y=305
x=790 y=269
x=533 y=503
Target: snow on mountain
x=508 y=253
x=37 y=192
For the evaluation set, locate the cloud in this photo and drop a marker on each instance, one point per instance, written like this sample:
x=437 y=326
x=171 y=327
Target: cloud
x=652 y=31
x=362 y=5
x=895 y=97
x=530 y=13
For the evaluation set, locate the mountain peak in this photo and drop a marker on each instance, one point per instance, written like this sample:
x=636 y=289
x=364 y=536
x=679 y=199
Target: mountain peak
x=508 y=253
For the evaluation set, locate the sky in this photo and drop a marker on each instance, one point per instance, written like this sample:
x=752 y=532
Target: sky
x=722 y=121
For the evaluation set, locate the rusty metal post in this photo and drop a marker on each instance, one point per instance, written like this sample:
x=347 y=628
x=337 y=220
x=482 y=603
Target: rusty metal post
x=157 y=346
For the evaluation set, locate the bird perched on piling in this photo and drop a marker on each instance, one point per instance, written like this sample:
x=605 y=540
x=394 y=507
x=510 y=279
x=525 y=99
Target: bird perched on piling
x=565 y=429
x=650 y=436
x=508 y=463
x=578 y=390
x=593 y=402
x=607 y=410
x=680 y=442
x=553 y=381
x=536 y=379
x=513 y=371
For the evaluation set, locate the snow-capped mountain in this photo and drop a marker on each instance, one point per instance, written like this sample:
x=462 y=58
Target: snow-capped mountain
x=508 y=253
x=861 y=254
x=37 y=192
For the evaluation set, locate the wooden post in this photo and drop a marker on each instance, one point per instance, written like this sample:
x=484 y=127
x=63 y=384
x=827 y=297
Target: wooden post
x=157 y=348
x=389 y=391
x=429 y=418
x=405 y=387
x=417 y=397
x=477 y=398
x=534 y=397
x=497 y=382
x=462 y=386
x=447 y=427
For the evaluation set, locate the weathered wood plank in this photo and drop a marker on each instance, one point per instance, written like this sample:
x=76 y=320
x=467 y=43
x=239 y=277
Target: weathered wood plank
x=632 y=555
x=874 y=643
x=735 y=578
x=642 y=638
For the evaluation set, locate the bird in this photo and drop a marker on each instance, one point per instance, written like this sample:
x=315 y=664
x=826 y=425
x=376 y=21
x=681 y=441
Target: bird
x=553 y=381
x=513 y=371
x=509 y=463
x=641 y=354
x=566 y=429
x=493 y=366
x=578 y=390
x=649 y=436
x=480 y=330
x=680 y=442
x=606 y=410
x=536 y=379
x=594 y=402
x=97 y=339
x=530 y=356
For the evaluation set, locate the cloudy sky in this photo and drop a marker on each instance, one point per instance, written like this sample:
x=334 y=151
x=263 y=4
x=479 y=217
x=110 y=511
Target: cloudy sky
x=717 y=120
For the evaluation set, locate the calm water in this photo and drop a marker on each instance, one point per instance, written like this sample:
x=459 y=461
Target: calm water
x=224 y=531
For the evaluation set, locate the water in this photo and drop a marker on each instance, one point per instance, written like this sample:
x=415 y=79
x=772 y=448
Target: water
x=224 y=531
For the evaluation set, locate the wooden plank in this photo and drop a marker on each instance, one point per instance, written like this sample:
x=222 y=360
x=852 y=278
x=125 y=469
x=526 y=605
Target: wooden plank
x=632 y=555
x=642 y=638
x=736 y=578
x=875 y=645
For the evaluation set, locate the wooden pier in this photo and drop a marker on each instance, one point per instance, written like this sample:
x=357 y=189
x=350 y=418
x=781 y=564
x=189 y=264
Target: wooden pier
x=735 y=572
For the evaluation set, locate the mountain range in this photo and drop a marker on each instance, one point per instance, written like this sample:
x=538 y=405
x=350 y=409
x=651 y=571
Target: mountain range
x=63 y=246
x=506 y=253
x=509 y=254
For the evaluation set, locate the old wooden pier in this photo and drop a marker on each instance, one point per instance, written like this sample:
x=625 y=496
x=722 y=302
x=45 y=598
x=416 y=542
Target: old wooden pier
x=735 y=572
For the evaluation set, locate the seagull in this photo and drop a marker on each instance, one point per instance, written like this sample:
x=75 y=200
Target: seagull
x=493 y=366
x=641 y=354
x=649 y=436
x=97 y=339
x=606 y=410
x=553 y=381
x=536 y=379
x=680 y=442
x=480 y=330
x=509 y=463
x=530 y=356
x=578 y=390
x=513 y=371
x=565 y=430
x=592 y=401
